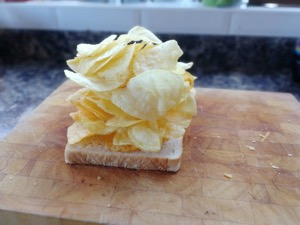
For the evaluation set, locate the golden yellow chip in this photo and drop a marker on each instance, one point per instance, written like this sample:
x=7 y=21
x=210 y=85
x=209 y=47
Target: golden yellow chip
x=163 y=56
x=106 y=105
x=147 y=96
x=76 y=132
x=144 y=34
x=89 y=49
x=88 y=54
x=99 y=127
x=122 y=121
x=121 y=137
x=144 y=138
x=108 y=75
x=174 y=131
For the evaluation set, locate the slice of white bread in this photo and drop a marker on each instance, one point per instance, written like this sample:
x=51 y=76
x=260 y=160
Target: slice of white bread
x=93 y=152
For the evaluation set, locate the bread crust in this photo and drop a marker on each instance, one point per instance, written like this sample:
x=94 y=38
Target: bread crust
x=93 y=153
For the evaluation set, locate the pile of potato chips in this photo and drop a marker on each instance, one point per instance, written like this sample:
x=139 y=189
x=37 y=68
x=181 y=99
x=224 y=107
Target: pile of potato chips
x=134 y=90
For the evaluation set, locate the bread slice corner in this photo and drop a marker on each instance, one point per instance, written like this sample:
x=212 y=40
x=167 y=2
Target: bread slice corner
x=94 y=153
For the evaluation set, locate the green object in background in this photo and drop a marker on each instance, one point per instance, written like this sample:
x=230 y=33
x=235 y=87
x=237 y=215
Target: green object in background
x=217 y=2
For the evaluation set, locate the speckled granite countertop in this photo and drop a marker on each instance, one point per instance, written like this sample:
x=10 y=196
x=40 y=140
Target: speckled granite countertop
x=32 y=64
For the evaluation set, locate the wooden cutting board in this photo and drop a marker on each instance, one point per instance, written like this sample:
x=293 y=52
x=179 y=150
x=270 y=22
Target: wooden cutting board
x=253 y=136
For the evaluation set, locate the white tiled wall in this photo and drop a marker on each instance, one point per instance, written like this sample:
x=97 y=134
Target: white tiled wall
x=187 y=21
x=94 y=18
x=190 y=18
x=262 y=23
x=18 y=16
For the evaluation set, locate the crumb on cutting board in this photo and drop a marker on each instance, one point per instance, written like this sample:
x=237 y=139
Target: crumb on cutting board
x=275 y=167
x=264 y=137
x=228 y=175
x=251 y=148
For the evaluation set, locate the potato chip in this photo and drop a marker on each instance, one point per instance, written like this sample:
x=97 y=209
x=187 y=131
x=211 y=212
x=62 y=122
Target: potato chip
x=76 y=132
x=88 y=55
x=144 y=138
x=147 y=96
x=187 y=106
x=182 y=113
x=99 y=127
x=117 y=69
x=144 y=34
x=107 y=75
x=89 y=109
x=163 y=56
x=89 y=50
x=89 y=66
x=179 y=117
x=182 y=67
x=121 y=137
x=190 y=79
x=80 y=79
x=78 y=94
x=95 y=84
x=174 y=131
x=104 y=95
x=106 y=105
x=81 y=116
x=122 y=121
x=112 y=55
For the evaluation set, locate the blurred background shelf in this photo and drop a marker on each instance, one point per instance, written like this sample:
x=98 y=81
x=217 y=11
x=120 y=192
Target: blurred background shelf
x=177 y=17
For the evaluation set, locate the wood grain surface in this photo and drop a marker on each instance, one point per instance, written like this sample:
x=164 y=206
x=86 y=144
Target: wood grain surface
x=252 y=136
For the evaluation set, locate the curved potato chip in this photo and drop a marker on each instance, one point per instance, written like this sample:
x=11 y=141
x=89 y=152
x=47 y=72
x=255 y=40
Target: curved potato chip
x=95 y=84
x=182 y=67
x=80 y=79
x=147 y=96
x=121 y=137
x=99 y=62
x=76 y=132
x=187 y=107
x=99 y=127
x=179 y=117
x=174 y=131
x=144 y=138
x=87 y=107
x=108 y=76
x=117 y=69
x=189 y=78
x=78 y=94
x=107 y=106
x=89 y=49
x=122 y=121
x=81 y=116
x=144 y=34
x=104 y=94
x=88 y=55
x=163 y=56
x=182 y=114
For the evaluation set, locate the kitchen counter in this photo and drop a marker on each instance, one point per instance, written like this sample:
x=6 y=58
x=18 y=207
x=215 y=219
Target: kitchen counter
x=32 y=64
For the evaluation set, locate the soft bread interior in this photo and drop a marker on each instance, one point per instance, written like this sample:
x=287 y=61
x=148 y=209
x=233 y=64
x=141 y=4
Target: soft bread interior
x=92 y=151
